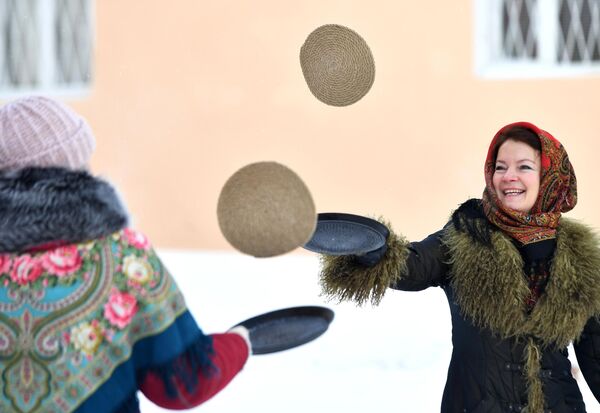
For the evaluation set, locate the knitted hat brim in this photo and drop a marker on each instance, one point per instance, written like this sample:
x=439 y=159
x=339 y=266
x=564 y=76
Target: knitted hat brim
x=77 y=147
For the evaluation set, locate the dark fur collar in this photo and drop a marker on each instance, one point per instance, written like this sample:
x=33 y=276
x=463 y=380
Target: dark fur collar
x=490 y=289
x=44 y=205
x=469 y=218
x=490 y=286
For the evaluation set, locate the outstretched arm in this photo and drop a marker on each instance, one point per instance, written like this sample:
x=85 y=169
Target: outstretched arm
x=402 y=265
x=426 y=264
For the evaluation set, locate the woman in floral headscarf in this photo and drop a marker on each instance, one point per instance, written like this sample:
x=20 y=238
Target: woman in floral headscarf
x=522 y=281
x=89 y=316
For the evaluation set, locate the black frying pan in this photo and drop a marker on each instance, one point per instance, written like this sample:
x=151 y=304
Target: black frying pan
x=346 y=234
x=286 y=328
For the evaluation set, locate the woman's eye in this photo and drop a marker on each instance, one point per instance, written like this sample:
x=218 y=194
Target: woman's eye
x=525 y=167
x=499 y=168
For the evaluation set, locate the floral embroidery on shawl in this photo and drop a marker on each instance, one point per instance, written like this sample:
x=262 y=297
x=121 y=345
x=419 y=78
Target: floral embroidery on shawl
x=70 y=315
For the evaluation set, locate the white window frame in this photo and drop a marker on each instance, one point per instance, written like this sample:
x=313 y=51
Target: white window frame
x=48 y=63
x=491 y=64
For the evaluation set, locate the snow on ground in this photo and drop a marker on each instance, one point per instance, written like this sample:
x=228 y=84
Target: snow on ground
x=390 y=358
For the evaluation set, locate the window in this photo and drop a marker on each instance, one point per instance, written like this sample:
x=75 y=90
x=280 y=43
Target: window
x=541 y=38
x=45 y=46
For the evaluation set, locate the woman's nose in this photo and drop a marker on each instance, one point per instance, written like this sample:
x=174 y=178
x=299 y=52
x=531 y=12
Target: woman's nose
x=509 y=175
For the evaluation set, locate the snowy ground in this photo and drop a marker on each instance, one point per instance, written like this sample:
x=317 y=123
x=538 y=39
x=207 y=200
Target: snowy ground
x=390 y=358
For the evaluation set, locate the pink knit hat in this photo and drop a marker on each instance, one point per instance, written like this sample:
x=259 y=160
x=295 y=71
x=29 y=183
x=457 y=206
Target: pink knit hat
x=40 y=132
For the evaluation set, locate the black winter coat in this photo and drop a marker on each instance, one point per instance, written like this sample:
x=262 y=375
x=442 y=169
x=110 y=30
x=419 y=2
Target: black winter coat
x=503 y=359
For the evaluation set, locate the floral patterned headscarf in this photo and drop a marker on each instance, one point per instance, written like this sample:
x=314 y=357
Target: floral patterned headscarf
x=558 y=191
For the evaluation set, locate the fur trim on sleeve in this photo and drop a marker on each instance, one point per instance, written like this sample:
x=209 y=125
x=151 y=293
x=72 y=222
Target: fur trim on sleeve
x=342 y=278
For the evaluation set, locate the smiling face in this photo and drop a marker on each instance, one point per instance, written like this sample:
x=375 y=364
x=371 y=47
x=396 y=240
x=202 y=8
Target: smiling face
x=517 y=174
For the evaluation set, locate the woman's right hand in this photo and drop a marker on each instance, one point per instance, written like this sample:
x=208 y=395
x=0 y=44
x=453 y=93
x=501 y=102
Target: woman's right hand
x=371 y=258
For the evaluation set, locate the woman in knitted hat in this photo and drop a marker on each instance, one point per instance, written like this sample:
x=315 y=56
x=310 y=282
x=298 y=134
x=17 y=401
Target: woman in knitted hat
x=522 y=282
x=88 y=313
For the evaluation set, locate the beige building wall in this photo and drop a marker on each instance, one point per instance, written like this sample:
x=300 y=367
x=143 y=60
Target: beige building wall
x=187 y=92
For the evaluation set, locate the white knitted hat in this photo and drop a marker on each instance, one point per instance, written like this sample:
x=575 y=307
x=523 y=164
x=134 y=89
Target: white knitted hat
x=40 y=132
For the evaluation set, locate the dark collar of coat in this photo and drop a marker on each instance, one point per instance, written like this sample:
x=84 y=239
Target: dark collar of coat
x=470 y=218
x=45 y=205
x=491 y=287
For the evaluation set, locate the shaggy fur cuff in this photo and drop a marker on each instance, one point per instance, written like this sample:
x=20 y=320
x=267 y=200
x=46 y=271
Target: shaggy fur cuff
x=343 y=279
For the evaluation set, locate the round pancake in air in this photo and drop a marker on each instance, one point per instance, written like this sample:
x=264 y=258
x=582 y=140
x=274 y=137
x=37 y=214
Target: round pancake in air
x=265 y=210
